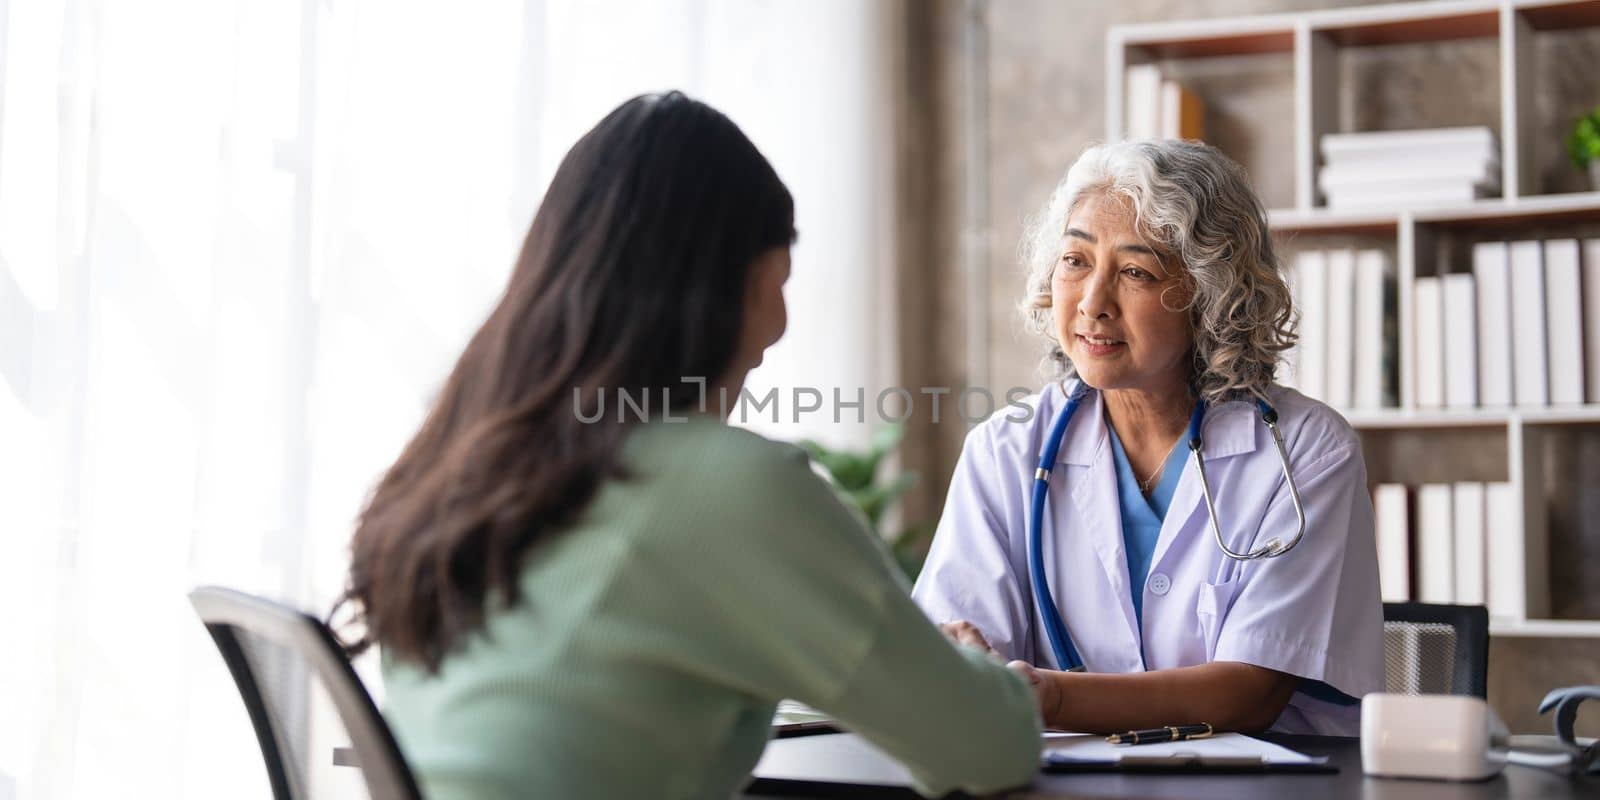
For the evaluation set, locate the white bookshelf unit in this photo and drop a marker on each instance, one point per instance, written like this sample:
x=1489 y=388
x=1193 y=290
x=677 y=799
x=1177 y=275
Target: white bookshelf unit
x=1512 y=444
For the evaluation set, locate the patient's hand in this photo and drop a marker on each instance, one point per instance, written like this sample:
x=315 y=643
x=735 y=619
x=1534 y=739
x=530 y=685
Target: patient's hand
x=964 y=632
x=1045 y=688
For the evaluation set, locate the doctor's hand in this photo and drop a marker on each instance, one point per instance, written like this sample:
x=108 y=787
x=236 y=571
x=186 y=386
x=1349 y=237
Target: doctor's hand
x=1045 y=689
x=965 y=633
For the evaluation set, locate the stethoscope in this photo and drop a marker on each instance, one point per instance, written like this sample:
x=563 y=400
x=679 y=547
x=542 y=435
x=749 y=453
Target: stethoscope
x=1055 y=630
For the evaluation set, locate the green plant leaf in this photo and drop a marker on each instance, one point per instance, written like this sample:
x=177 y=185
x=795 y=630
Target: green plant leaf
x=1583 y=143
x=849 y=470
x=887 y=438
x=874 y=500
x=855 y=477
x=855 y=472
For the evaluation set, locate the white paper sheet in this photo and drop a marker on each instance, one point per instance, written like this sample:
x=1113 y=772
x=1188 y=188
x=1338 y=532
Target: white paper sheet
x=1091 y=747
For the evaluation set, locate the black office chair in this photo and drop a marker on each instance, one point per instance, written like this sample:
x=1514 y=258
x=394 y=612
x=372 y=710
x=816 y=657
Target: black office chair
x=274 y=653
x=1436 y=649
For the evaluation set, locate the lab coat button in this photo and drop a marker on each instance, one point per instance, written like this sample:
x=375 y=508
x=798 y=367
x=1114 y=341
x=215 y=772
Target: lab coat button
x=1160 y=583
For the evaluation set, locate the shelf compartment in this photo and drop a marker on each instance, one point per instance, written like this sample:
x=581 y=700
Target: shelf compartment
x=1233 y=89
x=1543 y=43
x=1411 y=23
x=1241 y=69
x=1344 y=87
x=1415 y=456
x=1551 y=15
x=1562 y=469
x=1208 y=38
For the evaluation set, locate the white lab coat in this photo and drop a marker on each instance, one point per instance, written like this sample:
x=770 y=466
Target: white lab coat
x=1313 y=612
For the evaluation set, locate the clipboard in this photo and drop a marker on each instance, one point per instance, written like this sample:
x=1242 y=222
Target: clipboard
x=789 y=730
x=797 y=719
x=1224 y=753
x=1182 y=764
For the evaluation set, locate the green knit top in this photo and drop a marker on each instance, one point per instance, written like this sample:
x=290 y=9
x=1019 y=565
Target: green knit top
x=656 y=636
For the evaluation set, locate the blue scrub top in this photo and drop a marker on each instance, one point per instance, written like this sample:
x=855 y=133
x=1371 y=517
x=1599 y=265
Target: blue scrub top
x=1141 y=526
x=1141 y=516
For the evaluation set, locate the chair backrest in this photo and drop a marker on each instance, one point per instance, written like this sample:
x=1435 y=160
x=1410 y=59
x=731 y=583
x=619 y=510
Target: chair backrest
x=1436 y=649
x=275 y=653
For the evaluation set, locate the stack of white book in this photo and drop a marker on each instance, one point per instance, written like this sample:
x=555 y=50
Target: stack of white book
x=1160 y=108
x=1456 y=543
x=1406 y=169
x=1348 y=330
x=1511 y=332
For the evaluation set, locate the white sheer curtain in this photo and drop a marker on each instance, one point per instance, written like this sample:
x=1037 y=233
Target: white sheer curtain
x=241 y=243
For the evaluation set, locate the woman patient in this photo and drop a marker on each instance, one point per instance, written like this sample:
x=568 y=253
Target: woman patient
x=572 y=602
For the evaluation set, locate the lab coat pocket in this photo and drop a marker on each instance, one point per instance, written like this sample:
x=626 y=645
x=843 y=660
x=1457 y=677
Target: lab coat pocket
x=1211 y=607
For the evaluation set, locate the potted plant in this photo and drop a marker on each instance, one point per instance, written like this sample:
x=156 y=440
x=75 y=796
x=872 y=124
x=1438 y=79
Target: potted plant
x=1583 y=144
x=855 y=475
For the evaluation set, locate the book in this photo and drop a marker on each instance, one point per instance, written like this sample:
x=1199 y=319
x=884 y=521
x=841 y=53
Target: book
x=1340 y=343
x=1490 y=268
x=1436 y=556
x=1394 y=169
x=1460 y=341
x=1591 y=316
x=1408 y=172
x=1530 y=385
x=1391 y=513
x=1507 y=595
x=1563 y=307
x=1439 y=143
x=1374 y=330
x=1183 y=115
x=1400 y=169
x=1467 y=518
x=1311 y=277
x=1428 y=297
x=1143 y=98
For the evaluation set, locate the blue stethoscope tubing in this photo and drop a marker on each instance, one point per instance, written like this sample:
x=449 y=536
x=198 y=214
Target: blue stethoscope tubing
x=1061 y=646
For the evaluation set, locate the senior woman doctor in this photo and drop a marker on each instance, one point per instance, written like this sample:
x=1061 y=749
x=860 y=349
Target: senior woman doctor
x=1153 y=273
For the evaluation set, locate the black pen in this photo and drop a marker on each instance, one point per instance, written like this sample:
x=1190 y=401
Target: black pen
x=1171 y=733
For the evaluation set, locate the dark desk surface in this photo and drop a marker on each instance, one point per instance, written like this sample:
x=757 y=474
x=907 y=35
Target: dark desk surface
x=1514 y=782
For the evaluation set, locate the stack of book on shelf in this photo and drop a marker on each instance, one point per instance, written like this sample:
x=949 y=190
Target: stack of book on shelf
x=1348 y=330
x=1511 y=332
x=1161 y=109
x=1456 y=543
x=1406 y=169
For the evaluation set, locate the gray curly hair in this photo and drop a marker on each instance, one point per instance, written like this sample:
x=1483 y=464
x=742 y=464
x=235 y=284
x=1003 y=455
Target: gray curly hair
x=1192 y=202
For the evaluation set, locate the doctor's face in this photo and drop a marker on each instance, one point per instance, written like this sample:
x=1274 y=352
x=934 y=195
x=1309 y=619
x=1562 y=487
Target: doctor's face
x=1119 y=304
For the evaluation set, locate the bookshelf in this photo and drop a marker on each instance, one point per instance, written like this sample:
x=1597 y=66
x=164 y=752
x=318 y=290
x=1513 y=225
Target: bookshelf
x=1522 y=445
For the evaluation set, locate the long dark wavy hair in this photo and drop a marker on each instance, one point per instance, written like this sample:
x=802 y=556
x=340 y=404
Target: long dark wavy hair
x=632 y=278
